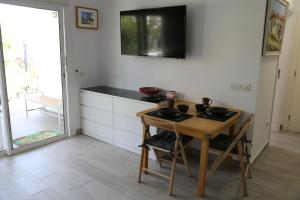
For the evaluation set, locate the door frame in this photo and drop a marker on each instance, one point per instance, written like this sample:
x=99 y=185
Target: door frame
x=5 y=119
x=63 y=57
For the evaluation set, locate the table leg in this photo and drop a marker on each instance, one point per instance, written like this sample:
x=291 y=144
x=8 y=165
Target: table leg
x=146 y=152
x=203 y=167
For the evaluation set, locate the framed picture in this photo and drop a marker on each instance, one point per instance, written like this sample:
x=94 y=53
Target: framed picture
x=276 y=17
x=86 y=17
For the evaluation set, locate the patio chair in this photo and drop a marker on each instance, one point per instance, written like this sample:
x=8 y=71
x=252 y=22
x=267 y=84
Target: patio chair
x=29 y=96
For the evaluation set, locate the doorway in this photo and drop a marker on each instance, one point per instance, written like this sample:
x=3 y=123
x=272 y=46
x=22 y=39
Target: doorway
x=285 y=127
x=33 y=68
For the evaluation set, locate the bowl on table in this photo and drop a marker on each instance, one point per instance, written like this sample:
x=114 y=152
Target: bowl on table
x=218 y=111
x=183 y=108
x=201 y=107
x=149 y=91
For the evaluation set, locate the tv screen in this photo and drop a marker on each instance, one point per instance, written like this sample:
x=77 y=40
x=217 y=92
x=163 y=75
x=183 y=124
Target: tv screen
x=158 y=32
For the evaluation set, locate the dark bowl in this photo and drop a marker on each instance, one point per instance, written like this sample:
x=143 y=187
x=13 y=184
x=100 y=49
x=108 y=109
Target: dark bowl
x=167 y=112
x=149 y=91
x=183 y=108
x=218 y=111
x=200 y=107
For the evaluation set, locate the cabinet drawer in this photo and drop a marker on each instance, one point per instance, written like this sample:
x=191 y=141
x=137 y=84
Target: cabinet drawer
x=93 y=114
x=98 y=131
x=96 y=100
x=130 y=124
x=129 y=142
x=130 y=108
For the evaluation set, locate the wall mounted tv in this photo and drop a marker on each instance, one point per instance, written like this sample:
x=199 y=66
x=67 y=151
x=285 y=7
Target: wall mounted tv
x=157 y=32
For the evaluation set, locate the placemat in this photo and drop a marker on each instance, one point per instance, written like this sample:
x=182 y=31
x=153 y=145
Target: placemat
x=208 y=115
x=178 y=117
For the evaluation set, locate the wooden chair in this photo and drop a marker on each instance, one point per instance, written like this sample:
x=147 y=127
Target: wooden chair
x=168 y=143
x=236 y=146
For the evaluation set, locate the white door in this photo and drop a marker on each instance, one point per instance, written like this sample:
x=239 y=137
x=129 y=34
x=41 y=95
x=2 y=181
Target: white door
x=294 y=122
x=33 y=74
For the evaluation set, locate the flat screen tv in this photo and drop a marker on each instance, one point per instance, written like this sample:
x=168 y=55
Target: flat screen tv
x=157 y=32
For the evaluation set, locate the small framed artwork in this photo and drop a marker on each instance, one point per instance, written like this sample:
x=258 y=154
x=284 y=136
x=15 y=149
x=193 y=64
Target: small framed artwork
x=86 y=18
x=276 y=17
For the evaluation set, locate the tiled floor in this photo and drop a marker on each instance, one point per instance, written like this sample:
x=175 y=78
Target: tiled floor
x=86 y=169
x=287 y=141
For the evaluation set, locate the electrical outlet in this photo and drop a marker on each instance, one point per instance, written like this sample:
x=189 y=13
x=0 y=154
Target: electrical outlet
x=246 y=88
x=235 y=86
x=240 y=87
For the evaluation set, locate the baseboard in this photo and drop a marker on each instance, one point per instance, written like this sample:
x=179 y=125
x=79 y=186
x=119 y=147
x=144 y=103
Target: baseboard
x=254 y=158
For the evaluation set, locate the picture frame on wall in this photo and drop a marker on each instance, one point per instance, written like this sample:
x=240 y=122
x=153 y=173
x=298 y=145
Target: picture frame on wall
x=276 y=17
x=87 y=18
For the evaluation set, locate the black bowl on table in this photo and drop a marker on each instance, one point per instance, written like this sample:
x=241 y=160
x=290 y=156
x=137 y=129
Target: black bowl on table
x=218 y=111
x=201 y=107
x=183 y=108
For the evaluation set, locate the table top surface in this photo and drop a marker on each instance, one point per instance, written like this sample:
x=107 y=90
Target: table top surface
x=195 y=123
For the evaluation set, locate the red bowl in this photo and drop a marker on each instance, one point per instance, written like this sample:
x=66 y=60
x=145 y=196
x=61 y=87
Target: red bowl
x=149 y=91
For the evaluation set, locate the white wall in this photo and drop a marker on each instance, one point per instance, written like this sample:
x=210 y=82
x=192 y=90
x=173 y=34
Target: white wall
x=264 y=104
x=223 y=42
x=224 y=47
x=86 y=52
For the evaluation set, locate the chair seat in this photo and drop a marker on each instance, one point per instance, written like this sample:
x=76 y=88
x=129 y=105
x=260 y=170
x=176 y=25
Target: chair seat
x=222 y=142
x=166 y=140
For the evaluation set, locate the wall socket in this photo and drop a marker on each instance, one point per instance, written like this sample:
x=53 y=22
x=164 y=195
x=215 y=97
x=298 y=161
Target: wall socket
x=240 y=87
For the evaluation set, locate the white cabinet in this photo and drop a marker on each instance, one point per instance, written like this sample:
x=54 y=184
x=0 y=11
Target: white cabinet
x=129 y=107
x=98 y=131
x=96 y=100
x=113 y=119
x=130 y=124
x=129 y=141
x=96 y=115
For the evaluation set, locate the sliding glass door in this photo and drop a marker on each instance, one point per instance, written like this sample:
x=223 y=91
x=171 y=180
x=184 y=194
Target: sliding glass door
x=33 y=67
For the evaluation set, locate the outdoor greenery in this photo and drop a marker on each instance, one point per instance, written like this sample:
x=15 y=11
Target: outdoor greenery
x=145 y=31
x=154 y=30
x=20 y=77
x=129 y=36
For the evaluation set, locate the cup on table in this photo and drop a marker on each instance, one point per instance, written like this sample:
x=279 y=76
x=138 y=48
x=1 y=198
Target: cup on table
x=207 y=101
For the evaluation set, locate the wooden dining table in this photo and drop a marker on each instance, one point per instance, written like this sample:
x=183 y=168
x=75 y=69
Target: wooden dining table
x=199 y=128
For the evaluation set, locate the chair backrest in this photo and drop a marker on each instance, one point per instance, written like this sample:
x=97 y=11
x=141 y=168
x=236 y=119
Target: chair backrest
x=245 y=127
